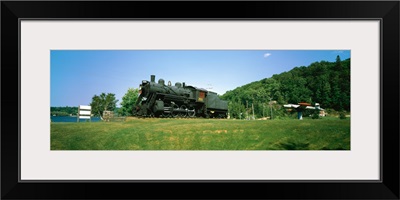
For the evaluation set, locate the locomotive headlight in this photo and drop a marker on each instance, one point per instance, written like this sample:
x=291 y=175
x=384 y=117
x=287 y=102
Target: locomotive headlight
x=140 y=90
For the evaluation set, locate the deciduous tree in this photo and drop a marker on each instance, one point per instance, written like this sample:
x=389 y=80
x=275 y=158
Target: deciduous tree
x=128 y=101
x=103 y=102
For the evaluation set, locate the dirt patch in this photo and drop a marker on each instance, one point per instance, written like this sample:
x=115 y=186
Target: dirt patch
x=215 y=131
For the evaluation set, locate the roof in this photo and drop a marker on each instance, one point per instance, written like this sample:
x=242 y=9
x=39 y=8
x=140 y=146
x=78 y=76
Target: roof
x=296 y=106
x=310 y=107
x=291 y=106
x=304 y=104
x=201 y=89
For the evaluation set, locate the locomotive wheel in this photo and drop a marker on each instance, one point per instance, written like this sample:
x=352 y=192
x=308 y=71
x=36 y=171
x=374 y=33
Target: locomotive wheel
x=175 y=110
x=191 y=112
x=183 y=112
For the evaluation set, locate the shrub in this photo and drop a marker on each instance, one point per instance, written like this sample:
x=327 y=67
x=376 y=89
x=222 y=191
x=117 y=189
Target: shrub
x=315 y=115
x=342 y=115
x=331 y=112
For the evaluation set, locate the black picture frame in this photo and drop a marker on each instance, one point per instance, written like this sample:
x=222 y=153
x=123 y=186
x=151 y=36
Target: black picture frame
x=386 y=11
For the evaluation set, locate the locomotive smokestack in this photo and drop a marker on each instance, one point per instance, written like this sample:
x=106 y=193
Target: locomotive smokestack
x=183 y=84
x=153 y=78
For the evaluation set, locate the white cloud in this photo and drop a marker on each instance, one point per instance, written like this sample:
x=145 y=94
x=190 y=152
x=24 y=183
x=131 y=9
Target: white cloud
x=266 y=55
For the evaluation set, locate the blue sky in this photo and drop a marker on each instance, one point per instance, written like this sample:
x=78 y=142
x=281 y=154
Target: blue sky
x=77 y=75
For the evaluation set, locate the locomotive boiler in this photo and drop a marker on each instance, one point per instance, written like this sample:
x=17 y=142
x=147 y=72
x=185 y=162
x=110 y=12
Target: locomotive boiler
x=181 y=100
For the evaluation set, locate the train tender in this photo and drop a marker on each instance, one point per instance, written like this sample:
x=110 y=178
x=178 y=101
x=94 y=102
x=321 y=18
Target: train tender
x=161 y=100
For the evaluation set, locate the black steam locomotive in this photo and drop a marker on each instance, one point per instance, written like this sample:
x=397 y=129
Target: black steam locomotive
x=161 y=100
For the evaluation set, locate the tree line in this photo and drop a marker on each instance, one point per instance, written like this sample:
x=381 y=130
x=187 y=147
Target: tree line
x=326 y=83
x=63 y=111
x=103 y=102
x=108 y=102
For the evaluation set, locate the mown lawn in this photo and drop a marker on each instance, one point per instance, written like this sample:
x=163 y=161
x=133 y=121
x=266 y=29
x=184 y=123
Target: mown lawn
x=202 y=134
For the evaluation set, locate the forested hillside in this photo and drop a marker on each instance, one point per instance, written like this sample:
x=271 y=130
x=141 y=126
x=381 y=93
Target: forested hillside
x=63 y=111
x=326 y=83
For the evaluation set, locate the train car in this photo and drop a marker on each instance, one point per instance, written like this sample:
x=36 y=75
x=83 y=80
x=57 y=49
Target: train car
x=179 y=100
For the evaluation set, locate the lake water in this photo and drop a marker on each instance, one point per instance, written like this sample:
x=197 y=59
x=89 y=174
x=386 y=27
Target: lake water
x=71 y=119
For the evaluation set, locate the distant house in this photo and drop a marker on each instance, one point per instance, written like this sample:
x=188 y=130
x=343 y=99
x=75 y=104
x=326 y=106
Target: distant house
x=300 y=107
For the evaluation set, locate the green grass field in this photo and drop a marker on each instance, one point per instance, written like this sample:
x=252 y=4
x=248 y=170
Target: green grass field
x=203 y=134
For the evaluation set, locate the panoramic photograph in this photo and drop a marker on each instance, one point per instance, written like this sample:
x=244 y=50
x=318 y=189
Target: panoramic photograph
x=200 y=100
